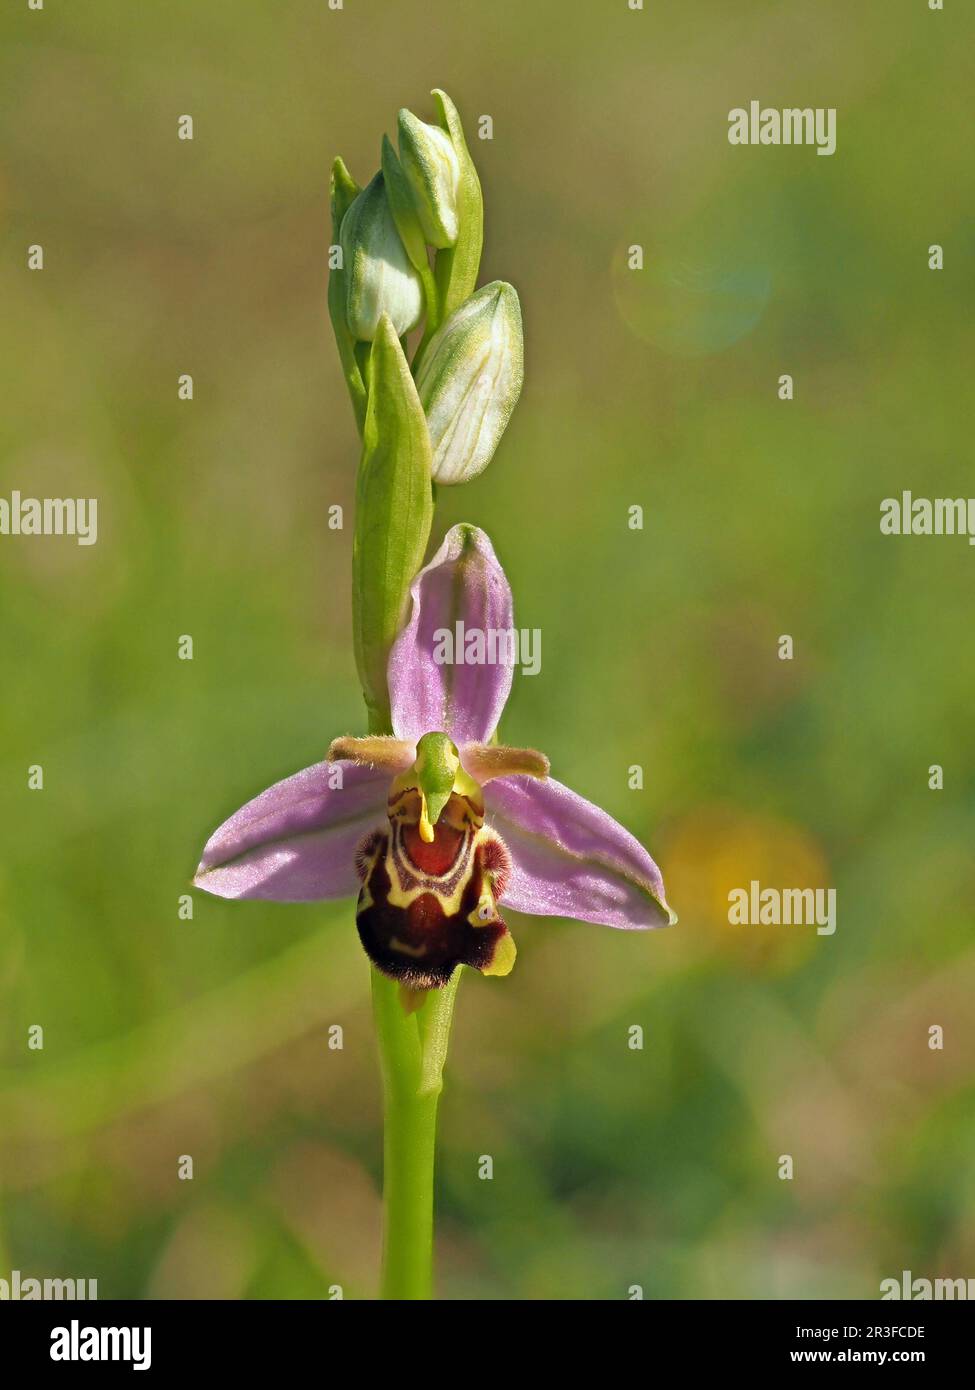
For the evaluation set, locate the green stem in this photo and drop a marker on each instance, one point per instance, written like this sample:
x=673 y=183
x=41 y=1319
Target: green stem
x=412 y=1049
x=394 y=512
x=432 y=318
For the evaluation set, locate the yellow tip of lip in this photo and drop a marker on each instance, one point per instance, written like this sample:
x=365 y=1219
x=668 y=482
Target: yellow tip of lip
x=504 y=957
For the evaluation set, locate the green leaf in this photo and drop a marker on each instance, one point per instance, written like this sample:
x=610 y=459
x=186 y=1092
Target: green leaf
x=344 y=190
x=394 y=513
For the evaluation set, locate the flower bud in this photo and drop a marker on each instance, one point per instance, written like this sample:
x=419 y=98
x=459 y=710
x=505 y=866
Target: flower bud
x=470 y=381
x=378 y=275
x=432 y=169
x=402 y=205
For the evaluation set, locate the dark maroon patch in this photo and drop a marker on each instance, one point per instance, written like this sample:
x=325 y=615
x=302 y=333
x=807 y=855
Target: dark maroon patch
x=421 y=945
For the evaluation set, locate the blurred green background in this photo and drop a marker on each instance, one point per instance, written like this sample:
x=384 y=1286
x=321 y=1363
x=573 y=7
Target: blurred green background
x=208 y=1037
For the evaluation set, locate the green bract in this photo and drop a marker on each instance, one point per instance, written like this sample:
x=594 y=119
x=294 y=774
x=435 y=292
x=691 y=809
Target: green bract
x=394 y=513
x=344 y=190
x=470 y=381
x=432 y=168
x=379 y=277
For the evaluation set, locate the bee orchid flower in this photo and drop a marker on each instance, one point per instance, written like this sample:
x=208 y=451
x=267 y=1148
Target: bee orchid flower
x=438 y=827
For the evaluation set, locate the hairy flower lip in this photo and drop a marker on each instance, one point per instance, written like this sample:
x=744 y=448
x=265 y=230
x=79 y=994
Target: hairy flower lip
x=569 y=858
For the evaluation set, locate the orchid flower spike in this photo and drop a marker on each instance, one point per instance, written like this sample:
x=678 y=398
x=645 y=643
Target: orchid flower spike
x=437 y=827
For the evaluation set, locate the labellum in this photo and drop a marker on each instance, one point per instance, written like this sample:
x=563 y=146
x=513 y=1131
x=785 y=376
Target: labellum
x=430 y=884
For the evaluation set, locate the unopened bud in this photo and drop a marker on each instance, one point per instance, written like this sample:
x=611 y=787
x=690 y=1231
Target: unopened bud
x=470 y=381
x=378 y=275
x=432 y=167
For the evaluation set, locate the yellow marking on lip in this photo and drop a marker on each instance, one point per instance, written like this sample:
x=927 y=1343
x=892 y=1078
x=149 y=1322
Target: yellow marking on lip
x=504 y=957
x=476 y=920
x=398 y=896
x=366 y=899
x=405 y=949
